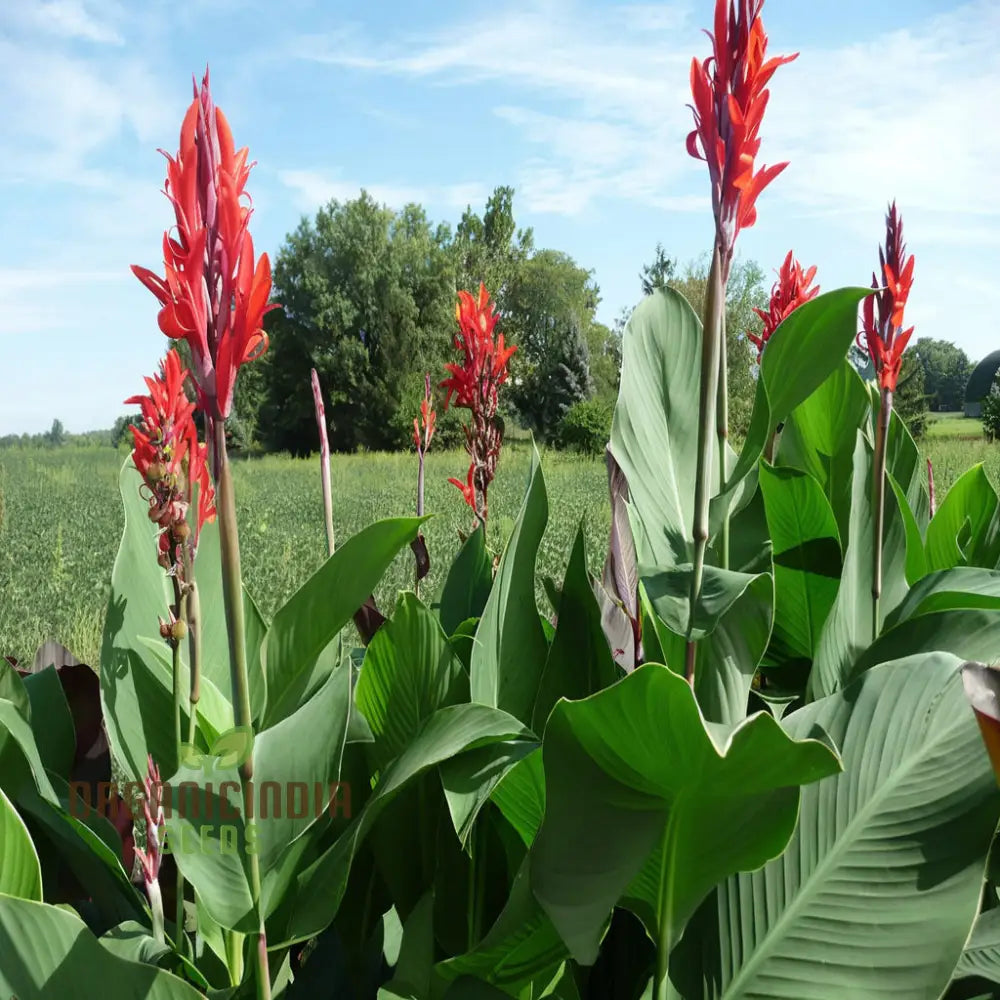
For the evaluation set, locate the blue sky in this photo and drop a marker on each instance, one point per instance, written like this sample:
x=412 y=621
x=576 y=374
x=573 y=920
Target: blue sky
x=580 y=105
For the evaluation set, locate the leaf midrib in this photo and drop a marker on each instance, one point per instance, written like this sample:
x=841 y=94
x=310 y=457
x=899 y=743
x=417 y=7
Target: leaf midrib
x=764 y=946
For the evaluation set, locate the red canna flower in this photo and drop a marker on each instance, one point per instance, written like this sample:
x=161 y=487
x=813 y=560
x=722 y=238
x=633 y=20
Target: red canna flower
x=475 y=384
x=468 y=488
x=212 y=295
x=423 y=426
x=730 y=96
x=170 y=458
x=152 y=808
x=884 y=336
x=787 y=294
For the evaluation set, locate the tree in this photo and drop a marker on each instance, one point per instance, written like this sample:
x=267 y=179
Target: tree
x=120 y=431
x=367 y=298
x=491 y=249
x=658 y=273
x=946 y=370
x=56 y=435
x=910 y=399
x=550 y=316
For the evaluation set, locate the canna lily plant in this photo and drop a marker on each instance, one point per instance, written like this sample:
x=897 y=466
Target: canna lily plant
x=748 y=761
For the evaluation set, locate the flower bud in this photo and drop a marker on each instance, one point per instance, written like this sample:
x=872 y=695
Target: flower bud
x=178 y=630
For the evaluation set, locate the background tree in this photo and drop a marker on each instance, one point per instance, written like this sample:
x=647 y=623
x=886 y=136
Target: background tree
x=658 y=273
x=56 y=434
x=550 y=307
x=946 y=370
x=910 y=399
x=367 y=299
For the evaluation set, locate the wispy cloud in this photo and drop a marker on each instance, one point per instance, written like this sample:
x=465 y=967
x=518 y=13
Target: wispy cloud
x=72 y=19
x=312 y=188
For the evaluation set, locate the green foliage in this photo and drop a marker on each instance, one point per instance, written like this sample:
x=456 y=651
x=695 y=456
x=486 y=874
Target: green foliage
x=586 y=427
x=990 y=413
x=910 y=400
x=946 y=371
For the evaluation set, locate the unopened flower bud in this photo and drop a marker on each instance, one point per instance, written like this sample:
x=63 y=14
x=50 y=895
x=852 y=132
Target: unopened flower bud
x=181 y=531
x=179 y=630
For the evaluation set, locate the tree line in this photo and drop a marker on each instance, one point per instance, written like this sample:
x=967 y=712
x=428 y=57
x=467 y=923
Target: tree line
x=368 y=297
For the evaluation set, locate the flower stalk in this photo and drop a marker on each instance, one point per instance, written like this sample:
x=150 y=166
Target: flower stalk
x=885 y=341
x=324 y=460
x=722 y=431
x=151 y=857
x=707 y=411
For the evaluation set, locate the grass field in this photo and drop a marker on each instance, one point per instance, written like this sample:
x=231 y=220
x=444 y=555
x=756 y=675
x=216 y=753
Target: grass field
x=60 y=522
x=954 y=425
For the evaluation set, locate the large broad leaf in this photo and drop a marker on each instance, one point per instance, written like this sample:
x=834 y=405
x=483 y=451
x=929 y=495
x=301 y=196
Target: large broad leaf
x=510 y=649
x=209 y=840
x=467 y=585
x=962 y=587
x=20 y=872
x=654 y=435
x=963 y=532
x=727 y=658
x=806 y=348
x=876 y=892
x=644 y=802
x=916 y=557
x=448 y=732
x=306 y=625
x=14 y=724
x=820 y=434
x=850 y=626
x=806 y=554
x=51 y=721
x=410 y=671
x=981 y=955
x=579 y=661
x=48 y=952
x=305 y=772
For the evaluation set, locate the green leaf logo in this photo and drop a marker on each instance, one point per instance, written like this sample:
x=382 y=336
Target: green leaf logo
x=233 y=747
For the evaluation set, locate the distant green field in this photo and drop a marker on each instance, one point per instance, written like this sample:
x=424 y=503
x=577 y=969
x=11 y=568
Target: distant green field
x=61 y=519
x=954 y=425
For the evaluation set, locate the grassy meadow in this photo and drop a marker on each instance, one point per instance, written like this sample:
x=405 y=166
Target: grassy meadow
x=61 y=520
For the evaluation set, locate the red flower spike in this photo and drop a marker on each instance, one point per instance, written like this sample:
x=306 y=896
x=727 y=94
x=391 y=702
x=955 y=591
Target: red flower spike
x=171 y=460
x=475 y=385
x=787 y=294
x=212 y=295
x=882 y=313
x=730 y=97
x=468 y=488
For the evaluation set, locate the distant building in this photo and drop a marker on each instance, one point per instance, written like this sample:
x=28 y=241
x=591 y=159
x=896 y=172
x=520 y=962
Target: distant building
x=980 y=383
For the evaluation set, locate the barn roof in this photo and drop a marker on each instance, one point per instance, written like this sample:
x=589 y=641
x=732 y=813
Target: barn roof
x=982 y=377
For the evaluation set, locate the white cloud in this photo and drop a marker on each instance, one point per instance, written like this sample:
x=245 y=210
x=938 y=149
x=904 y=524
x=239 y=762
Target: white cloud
x=312 y=188
x=72 y=19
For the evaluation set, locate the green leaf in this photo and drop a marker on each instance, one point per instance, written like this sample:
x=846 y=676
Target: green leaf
x=467 y=586
x=644 y=802
x=17 y=727
x=409 y=672
x=654 y=434
x=448 y=732
x=962 y=532
x=727 y=658
x=509 y=654
x=470 y=778
x=806 y=554
x=520 y=796
x=209 y=841
x=320 y=608
x=411 y=979
x=802 y=353
x=20 y=872
x=849 y=627
x=521 y=946
x=820 y=435
x=51 y=721
x=877 y=889
x=981 y=955
x=961 y=587
x=579 y=661
x=300 y=768
x=49 y=952
x=916 y=557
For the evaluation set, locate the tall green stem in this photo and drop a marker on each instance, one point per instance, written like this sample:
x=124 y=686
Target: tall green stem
x=193 y=618
x=232 y=595
x=707 y=411
x=181 y=606
x=722 y=428
x=878 y=503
